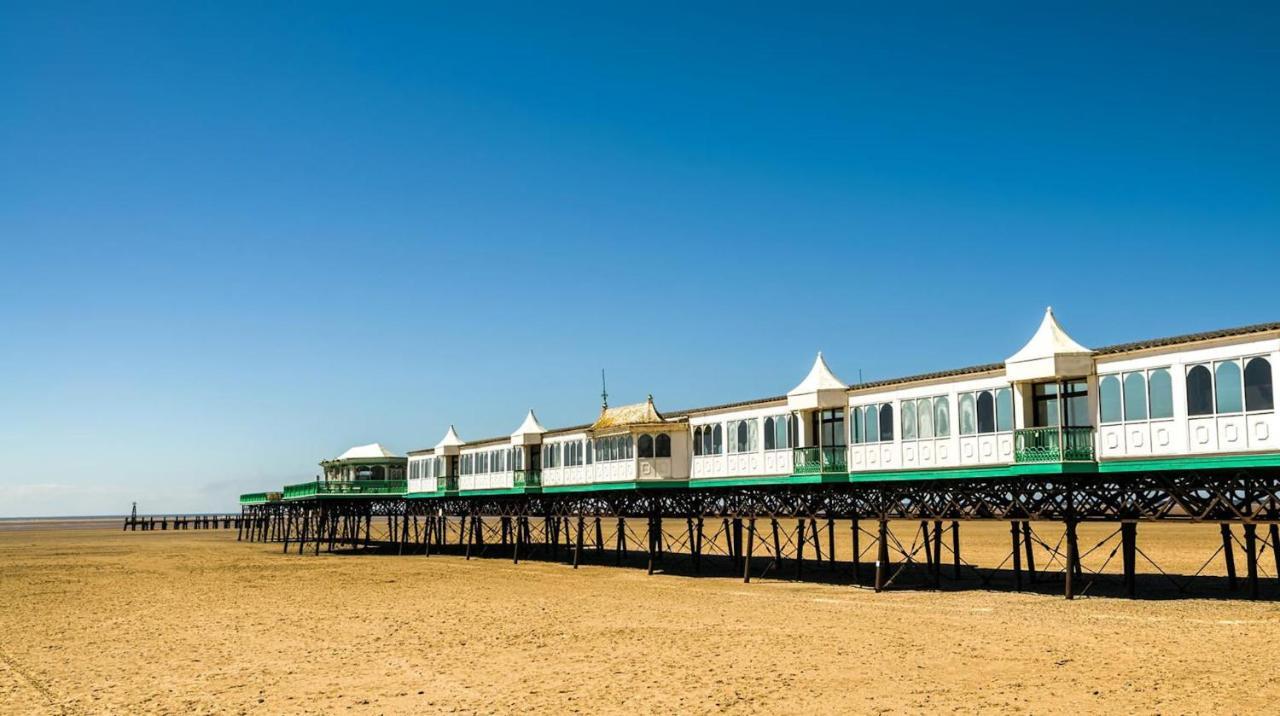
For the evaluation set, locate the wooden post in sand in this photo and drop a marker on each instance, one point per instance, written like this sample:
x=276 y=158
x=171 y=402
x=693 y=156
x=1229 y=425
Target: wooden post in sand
x=1128 y=549
x=882 y=555
x=1073 y=559
x=1251 y=558
x=1228 y=553
x=800 y=525
x=1017 y=555
x=577 y=551
x=622 y=539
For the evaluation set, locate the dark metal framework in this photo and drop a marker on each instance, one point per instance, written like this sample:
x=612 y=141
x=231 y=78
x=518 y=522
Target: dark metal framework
x=798 y=524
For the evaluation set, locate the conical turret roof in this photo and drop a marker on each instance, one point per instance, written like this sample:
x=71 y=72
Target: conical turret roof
x=1050 y=353
x=450 y=439
x=530 y=426
x=820 y=389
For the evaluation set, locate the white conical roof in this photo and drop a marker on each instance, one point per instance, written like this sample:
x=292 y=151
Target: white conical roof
x=530 y=426
x=820 y=378
x=450 y=439
x=1049 y=340
x=1050 y=353
x=365 y=452
x=820 y=389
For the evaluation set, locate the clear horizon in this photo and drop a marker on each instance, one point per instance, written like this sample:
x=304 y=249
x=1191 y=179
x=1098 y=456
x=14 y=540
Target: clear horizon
x=242 y=238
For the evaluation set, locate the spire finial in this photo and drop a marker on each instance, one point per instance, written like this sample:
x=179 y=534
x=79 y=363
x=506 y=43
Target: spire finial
x=604 y=392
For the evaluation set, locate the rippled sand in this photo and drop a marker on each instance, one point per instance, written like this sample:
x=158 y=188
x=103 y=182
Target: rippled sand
x=94 y=621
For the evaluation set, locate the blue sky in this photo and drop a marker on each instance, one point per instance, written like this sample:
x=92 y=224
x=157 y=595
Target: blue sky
x=239 y=238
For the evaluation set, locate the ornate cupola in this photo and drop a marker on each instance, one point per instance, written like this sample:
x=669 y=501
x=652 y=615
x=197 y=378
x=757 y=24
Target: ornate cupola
x=1050 y=353
x=819 y=390
x=530 y=431
x=450 y=443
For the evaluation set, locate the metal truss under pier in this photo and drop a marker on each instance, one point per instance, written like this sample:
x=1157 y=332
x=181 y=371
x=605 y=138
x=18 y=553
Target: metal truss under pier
x=897 y=530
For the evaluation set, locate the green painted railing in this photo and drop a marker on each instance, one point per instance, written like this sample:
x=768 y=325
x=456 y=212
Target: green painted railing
x=448 y=484
x=1053 y=445
x=345 y=487
x=258 y=498
x=815 y=461
x=527 y=478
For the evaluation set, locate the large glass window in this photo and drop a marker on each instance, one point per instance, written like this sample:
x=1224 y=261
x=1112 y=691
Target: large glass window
x=1230 y=399
x=1135 y=396
x=986 y=412
x=872 y=414
x=968 y=415
x=742 y=435
x=908 y=420
x=886 y=423
x=924 y=416
x=1004 y=410
x=1160 y=388
x=859 y=433
x=717 y=440
x=1109 y=399
x=941 y=417
x=779 y=432
x=644 y=446
x=662 y=446
x=1257 y=385
x=1199 y=391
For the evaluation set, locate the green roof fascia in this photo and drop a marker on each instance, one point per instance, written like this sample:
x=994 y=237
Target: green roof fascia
x=767 y=480
x=1201 y=462
x=615 y=486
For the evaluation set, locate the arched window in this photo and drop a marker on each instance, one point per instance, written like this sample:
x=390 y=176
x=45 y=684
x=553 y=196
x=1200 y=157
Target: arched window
x=1257 y=385
x=1228 y=393
x=968 y=416
x=1160 y=391
x=908 y=420
x=770 y=437
x=856 y=433
x=986 y=412
x=591 y=444
x=629 y=445
x=1109 y=399
x=1199 y=391
x=742 y=437
x=1135 y=396
x=1004 y=410
x=886 y=423
x=924 y=414
x=717 y=440
x=941 y=417
x=645 y=446
x=662 y=446
x=706 y=440
x=871 y=416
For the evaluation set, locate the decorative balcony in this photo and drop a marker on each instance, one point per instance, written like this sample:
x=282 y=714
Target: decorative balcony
x=362 y=488
x=821 y=461
x=1056 y=444
x=527 y=478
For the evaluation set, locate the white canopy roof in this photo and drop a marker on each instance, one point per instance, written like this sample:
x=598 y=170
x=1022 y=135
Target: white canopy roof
x=1050 y=353
x=450 y=440
x=365 y=452
x=820 y=389
x=530 y=431
x=530 y=426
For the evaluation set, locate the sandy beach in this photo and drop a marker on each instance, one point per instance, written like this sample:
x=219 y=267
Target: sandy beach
x=99 y=621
